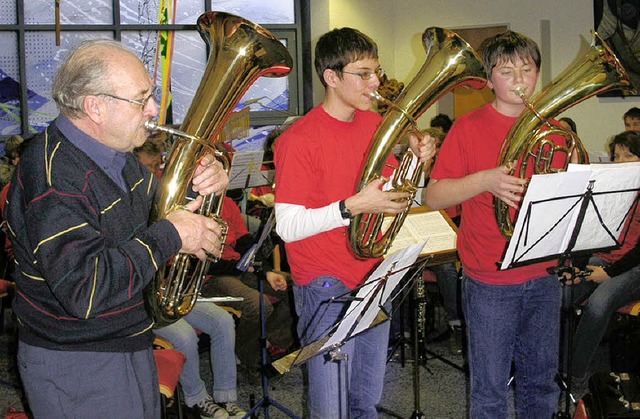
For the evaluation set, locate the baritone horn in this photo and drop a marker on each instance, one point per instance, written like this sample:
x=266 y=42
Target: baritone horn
x=450 y=62
x=240 y=52
x=596 y=72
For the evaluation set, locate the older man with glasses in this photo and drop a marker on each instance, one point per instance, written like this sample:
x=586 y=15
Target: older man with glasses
x=78 y=216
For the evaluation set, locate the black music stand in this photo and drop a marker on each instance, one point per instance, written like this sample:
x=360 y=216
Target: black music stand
x=441 y=233
x=248 y=260
x=366 y=310
x=413 y=284
x=590 y=207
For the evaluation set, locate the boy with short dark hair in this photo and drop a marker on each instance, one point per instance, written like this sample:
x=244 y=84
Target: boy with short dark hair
x=512 y=315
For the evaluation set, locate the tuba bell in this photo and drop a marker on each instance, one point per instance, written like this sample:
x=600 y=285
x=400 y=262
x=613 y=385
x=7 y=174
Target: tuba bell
x=450 y=62
x=240 y=53
x=598 y=71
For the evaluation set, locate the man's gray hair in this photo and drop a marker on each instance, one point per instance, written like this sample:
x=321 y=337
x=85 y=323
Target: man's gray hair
x=85 y=72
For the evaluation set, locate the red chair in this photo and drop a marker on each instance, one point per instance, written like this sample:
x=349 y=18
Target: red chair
x=169 y=363
x=631 y=309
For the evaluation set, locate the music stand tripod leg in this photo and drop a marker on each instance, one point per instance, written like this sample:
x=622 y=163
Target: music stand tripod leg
x=571 y=309
x=266 y=401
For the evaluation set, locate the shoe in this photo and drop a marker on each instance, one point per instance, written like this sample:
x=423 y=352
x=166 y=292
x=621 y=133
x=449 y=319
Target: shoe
x=234 y=410
x=207 y=408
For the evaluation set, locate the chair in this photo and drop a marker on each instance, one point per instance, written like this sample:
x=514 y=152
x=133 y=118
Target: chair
x=631 y=309
x=169 y=363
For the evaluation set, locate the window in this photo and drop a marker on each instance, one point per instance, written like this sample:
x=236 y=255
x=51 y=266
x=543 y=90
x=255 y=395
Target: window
x=166 y=40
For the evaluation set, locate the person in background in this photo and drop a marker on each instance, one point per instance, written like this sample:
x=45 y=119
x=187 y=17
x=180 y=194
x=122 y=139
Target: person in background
x=150 y=155
x=318 y=162
x=85 y=247
x=14 y=147
x=441 y=121
x=631 y=119
x=447 y=275
x=568 y=123
x=208 y=318
x=219 y=325
x=512 y=316
x=227 y=280
x=615 y=278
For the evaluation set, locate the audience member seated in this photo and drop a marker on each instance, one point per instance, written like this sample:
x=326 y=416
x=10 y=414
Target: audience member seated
x=227 y=280
x=220 y=326
x=14 y=147
x=150 y=155
x=441 y=121
x=208 y=318
x=631 y=119
x=447 y=275
x=615 y=280
x=569 y=124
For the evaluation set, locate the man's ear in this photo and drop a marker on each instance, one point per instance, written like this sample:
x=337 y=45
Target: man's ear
x=94 y=108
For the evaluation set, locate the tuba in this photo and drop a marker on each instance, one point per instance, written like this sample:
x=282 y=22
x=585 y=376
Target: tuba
x=240 y=53
x=598 y=71
x=451 y=62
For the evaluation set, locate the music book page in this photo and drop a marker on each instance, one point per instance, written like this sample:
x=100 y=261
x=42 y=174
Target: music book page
x=431 y=226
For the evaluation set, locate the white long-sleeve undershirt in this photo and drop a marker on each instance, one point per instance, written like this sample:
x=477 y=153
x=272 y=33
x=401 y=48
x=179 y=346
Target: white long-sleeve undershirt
x=295 y=222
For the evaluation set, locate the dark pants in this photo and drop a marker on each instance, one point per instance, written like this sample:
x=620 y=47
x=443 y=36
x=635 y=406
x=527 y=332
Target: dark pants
x=61 y=384
x=280 y=321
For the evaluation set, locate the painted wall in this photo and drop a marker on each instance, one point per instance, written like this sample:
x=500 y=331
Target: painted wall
x=397 y=28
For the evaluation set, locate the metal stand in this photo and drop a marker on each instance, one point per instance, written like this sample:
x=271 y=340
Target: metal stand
x=417 y=331
x=336 y=355
x=571 y=310
x=266 y=401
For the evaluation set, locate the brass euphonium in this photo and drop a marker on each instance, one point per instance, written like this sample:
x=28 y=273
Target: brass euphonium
x=598 y=71
x=240 y=53
x=450 y=62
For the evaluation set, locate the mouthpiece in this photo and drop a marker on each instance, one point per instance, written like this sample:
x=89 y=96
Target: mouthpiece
x=521 y=91
x=379 y=98
x=153 y=126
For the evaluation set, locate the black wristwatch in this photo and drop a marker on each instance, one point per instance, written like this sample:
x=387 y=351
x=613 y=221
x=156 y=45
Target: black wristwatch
x=344 y=211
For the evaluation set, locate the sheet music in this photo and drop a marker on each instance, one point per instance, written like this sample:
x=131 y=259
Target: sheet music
x=541 y=230
x=422 y=225
x=261 y=178
x=364 y=314
x=243 y=166
x=612 y=207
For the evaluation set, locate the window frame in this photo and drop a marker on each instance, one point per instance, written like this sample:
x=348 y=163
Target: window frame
x=297 y=36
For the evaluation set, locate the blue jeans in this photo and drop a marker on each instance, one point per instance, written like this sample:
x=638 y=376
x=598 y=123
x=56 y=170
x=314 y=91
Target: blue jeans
x=519 y=324
x=219 y=325
x=605 y=299
x=366 y=355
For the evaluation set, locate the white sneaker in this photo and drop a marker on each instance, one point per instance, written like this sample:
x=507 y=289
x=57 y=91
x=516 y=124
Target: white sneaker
x=234 y=410
x=209 y=409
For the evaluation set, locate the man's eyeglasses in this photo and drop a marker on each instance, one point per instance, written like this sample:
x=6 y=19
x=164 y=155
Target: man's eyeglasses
x=142 y=103
x=368 y=75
